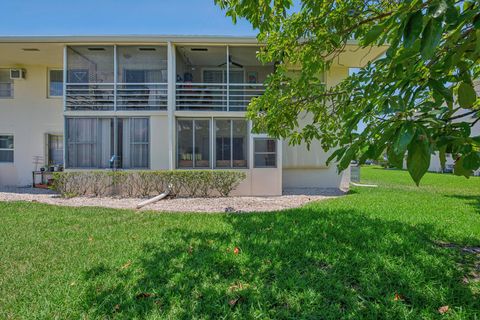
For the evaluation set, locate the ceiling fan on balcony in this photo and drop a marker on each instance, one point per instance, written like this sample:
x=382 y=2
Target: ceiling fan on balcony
x=231 y=62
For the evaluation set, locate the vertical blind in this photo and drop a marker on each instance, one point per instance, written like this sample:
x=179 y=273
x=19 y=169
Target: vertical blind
x=91 y=142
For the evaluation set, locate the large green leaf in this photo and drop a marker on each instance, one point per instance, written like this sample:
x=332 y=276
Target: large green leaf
x=404 y=137
x=412 y=29
x=460 y=170
x=471 y=161
x=373 y=34
x=466 y=95
x=394 y=159
x=476 y=140
x=443 y=156
x=347 y=158
x=418 y=159
x=431 y=37
x=438 y=87
x=338 y=153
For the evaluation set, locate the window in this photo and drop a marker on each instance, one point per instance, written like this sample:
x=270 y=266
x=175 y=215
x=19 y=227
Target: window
x=193 y=143
x=230 y=143
x=6 y=84
x=91 y=142
x=6 y=148
x=55 y=149
x=265 y=153
x=133 y=143
x=55 y=83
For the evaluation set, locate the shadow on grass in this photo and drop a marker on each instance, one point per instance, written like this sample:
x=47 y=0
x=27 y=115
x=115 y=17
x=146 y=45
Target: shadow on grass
x=473 y=201
x=304 y=263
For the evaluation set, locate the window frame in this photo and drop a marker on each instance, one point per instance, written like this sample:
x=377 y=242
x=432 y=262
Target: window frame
x=114 y=141
x=12 y=85
x=76 y=143
x=49 y=96
x=9 y=149
x=255 y=139
x=132 y=143
x=49 y=135
x=214 y=143
x=210 y=151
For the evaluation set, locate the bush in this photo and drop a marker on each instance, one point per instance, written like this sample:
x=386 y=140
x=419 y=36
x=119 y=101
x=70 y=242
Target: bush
x=190 y=183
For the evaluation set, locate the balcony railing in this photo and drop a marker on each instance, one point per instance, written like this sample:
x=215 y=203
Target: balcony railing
x=154 y=96
x=128 y=96
x=89 y=96
x=142 y=96
x=216 y=96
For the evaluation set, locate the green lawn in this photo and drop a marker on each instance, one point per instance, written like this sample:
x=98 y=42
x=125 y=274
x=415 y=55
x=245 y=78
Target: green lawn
x=341 y=258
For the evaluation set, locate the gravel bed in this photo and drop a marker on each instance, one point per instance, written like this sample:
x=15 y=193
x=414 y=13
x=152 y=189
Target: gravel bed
x=229 y=204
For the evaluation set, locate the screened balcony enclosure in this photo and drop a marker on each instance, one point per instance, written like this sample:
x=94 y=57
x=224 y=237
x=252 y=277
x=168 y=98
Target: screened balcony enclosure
x=135 y=77
x=138 y=80
x=218 y=78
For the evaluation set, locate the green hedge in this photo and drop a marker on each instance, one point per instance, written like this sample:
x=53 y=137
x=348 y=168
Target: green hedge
x=190 y=183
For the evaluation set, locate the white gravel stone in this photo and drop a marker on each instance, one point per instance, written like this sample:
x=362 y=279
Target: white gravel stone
x=230 y=204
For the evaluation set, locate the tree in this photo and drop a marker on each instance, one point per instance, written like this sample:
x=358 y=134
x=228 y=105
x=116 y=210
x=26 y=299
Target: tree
x=417 y=99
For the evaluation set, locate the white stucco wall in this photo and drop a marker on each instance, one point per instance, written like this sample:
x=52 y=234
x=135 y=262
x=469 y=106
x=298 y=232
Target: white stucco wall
x=159 y=142
x=28 y=116
x=306 y=168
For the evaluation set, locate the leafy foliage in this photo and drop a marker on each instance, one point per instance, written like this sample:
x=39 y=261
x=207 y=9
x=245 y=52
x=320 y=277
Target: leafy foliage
x=191 y=183
x=425 y=79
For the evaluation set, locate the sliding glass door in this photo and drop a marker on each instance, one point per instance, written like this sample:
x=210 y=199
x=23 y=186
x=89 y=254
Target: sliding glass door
x=193 y=143
x=227 y=141
x=91 y=143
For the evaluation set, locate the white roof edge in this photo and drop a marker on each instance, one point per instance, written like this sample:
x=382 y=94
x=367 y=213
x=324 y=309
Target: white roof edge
x=130 y=38
x=135 y=39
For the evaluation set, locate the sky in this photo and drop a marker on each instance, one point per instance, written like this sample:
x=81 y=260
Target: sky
x=124 y=17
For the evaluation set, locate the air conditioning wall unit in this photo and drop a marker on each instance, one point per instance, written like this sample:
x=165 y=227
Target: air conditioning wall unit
x=17 y=74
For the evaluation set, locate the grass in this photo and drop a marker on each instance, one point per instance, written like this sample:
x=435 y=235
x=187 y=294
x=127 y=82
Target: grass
x=341 y=258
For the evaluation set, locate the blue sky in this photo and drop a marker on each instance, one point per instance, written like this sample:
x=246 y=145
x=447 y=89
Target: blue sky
x=106 y=17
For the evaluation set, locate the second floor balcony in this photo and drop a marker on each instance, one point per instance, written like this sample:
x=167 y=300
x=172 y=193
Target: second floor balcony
x=132 y=78
x=207 y=78
x=220 y=78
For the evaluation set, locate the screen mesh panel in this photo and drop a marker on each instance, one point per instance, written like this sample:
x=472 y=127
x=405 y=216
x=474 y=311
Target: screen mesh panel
x=90 y=64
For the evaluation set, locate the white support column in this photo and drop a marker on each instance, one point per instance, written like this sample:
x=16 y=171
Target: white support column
x=212 y=144
x=64 y=98
x=280 y=163
x=228 y=78
x=231 y=142
x=115 y=119
x=115 y=78
x=65 y=66
x=171 y=87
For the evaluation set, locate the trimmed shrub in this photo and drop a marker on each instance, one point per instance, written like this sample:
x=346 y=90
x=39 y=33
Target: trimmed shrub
x=190 y=183
x=224 y=182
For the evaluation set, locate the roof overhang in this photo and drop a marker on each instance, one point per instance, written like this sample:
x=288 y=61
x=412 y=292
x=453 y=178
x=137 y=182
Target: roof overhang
x=112 y=39
x=51 y=53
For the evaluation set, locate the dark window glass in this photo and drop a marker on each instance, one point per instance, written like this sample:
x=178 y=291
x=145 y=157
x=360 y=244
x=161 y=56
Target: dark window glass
x=55 y=149
x=193 y=143
x=56 y=83
x=6 y=148
x=231 y=143
x=265 y=153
